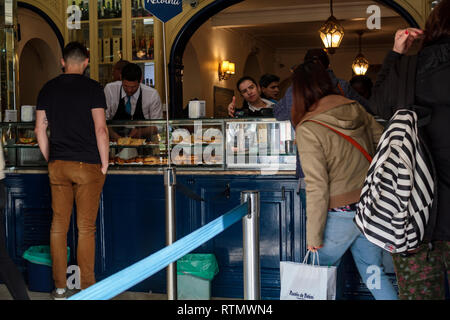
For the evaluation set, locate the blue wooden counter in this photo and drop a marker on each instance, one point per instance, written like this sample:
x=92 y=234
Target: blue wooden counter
x=131 y=225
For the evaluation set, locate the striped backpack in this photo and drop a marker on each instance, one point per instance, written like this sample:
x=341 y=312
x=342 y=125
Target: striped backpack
x=400 y=188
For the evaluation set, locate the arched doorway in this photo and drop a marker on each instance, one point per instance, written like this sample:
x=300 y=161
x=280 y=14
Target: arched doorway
x=192 y=79
x=251 y=67
x=37 y=65
x=39 y=50
x=189 y=28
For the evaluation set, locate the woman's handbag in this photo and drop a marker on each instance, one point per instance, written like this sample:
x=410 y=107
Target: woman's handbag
x=303 y=281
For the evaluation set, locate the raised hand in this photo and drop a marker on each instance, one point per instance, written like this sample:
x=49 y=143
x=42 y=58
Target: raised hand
x=404 y=38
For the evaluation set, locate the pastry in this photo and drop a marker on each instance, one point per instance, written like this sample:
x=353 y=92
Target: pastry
x=151 y=160
x=119 y=160
x=137 y=142
x=27 y=140
x=127 y=141
x=123 y=141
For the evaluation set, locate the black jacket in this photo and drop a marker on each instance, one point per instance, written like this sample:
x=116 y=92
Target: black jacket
x=432 y=91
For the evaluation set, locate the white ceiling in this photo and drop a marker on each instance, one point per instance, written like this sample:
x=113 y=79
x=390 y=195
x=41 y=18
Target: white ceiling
x=290 y=24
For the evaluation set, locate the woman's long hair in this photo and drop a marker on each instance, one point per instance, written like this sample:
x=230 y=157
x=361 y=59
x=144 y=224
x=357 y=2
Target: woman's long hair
x=311 y=82
x=437 y=26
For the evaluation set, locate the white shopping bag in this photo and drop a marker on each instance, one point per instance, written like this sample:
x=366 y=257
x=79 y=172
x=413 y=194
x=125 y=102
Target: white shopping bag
x=303 y=281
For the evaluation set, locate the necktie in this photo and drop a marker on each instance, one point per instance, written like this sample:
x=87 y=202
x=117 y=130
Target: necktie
x=128 y=106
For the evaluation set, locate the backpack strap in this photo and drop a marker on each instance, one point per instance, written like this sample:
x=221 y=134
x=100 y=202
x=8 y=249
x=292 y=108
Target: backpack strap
x=407 y=82
x=407 y=86
x=407 y=90
x=340 y=89
x=349 y=139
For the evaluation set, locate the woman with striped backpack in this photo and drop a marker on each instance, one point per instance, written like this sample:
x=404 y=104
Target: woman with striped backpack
x=422 y=258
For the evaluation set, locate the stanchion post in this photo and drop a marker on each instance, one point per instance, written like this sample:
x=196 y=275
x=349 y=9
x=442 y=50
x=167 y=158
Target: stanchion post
x=171 y=271
x=250 y=226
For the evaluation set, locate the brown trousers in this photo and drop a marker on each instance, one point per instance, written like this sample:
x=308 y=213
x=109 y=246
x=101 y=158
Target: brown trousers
x=82 y=182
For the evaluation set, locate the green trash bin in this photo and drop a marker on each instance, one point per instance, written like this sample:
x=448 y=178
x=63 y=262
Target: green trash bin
x=195 y=272
x=39 y=268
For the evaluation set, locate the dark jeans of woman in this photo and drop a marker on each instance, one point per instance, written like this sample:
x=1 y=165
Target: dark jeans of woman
x=9 y=273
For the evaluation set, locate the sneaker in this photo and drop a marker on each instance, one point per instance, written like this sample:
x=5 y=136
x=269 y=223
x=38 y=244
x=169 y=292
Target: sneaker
x=59 y=294
x=71 y=292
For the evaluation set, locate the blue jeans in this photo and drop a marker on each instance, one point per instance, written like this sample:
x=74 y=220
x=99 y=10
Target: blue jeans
x=341 y=234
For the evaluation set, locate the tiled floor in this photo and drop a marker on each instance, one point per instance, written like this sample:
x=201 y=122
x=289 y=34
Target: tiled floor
x=4 y=295
x=128 y=295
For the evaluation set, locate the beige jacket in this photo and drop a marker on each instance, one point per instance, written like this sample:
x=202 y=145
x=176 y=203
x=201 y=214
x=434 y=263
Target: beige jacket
x=334 y=169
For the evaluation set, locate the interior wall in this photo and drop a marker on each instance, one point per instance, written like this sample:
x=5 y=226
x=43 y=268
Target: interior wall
x=340 y=62
x=213 y=45
x=41 y=60
x=252 y=67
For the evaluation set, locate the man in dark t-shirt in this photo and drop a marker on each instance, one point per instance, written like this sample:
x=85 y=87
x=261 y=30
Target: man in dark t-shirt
x=73 y=106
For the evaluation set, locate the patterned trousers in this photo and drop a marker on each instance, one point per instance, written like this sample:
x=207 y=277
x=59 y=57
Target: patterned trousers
x=421 y=276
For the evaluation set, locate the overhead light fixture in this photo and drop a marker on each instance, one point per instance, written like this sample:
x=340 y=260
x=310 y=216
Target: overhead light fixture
x=360 y=63
x=226 y=69
x=331 y=32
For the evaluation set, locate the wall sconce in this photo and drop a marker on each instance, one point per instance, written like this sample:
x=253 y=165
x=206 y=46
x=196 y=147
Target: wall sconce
x=331 y=32
x=226 y=69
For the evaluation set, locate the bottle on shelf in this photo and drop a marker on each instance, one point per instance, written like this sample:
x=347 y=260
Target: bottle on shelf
x=84 y=10
x=133 y=48
x=108 y=10
x=99 y=10
x=102 y=8
x=114 y=9
x=142 y=50
x=119 y=8
x=150 y=54
x=140 y=10
x=134 y=8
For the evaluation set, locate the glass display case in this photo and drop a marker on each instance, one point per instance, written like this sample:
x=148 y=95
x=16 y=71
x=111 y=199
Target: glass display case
x=203 y=144
x=20 y=145
x=191 y=144
x=262 y=144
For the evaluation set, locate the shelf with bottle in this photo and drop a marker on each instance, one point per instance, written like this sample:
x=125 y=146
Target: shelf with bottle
x=83 y=6
x=143 y=41
x=110 y=42
x=144 y=52
x=138 y=9
x=109 y=9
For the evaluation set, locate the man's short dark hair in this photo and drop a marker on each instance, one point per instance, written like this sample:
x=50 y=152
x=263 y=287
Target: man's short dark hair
x=365 y=80
x=318 y=54
x=267 y=79
x=75 y=51
x=243 y=79
x=120 y=64
x=132 y=72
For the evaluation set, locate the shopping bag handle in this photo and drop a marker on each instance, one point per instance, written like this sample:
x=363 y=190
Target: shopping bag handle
x=314 y=255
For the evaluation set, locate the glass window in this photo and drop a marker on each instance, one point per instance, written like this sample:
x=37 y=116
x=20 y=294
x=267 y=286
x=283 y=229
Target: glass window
x=143 y=39
x=148 y=73
x=109 y=48
x=138 y=9
x=109 y=9
x=83 y=6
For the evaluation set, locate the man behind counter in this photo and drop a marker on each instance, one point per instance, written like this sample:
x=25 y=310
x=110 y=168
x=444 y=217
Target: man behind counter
x=129 y=99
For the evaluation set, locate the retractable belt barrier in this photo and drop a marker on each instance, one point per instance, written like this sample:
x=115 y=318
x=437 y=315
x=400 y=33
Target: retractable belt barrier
x=138 y=272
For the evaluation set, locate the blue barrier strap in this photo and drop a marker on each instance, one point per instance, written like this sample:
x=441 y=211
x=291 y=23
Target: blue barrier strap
x=121 y=281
